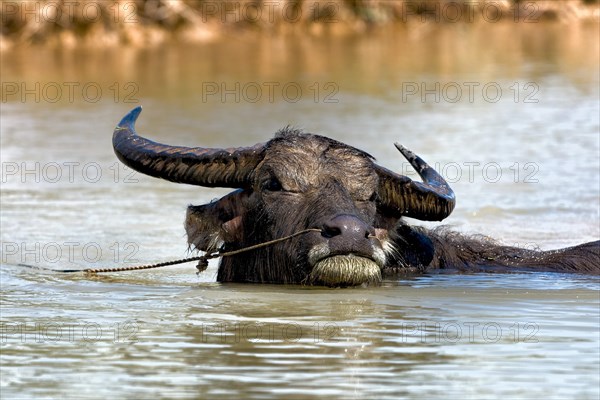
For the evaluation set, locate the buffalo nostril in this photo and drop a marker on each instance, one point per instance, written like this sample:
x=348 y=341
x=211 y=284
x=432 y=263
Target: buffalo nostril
x=370 y=233
x=347 y=227
x=330 y=231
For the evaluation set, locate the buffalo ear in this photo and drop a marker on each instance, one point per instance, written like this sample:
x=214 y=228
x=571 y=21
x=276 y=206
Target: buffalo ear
x=210 y=225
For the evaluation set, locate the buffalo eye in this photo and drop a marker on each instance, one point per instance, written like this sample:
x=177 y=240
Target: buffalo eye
x=273 y=185
x=373 y=197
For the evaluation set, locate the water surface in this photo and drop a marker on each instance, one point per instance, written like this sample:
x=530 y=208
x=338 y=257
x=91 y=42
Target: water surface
x=524 y=165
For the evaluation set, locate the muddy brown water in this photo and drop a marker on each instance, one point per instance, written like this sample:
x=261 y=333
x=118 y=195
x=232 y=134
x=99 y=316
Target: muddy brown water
x=508 y=113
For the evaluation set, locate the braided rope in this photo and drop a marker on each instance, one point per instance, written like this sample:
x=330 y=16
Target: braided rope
x=202 y=260
x=140 y=267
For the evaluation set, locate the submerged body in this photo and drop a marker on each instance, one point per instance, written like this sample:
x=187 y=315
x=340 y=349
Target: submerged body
x=299 y=181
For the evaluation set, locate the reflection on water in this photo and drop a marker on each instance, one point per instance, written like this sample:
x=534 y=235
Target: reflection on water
x=521 y=170
x=231 y=340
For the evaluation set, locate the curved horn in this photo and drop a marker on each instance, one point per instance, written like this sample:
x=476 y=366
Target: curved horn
x=432 y=200
x=192 y=165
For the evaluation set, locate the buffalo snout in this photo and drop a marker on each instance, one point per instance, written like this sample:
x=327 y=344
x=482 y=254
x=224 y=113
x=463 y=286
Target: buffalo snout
x=348 y=227
x=348 y=234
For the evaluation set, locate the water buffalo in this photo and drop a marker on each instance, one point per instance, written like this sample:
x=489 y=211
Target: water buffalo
x=297 y=181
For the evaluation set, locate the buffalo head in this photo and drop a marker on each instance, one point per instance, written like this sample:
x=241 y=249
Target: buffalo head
x=293 y=182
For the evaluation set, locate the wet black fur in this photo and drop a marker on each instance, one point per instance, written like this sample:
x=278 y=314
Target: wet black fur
x=420 y=250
